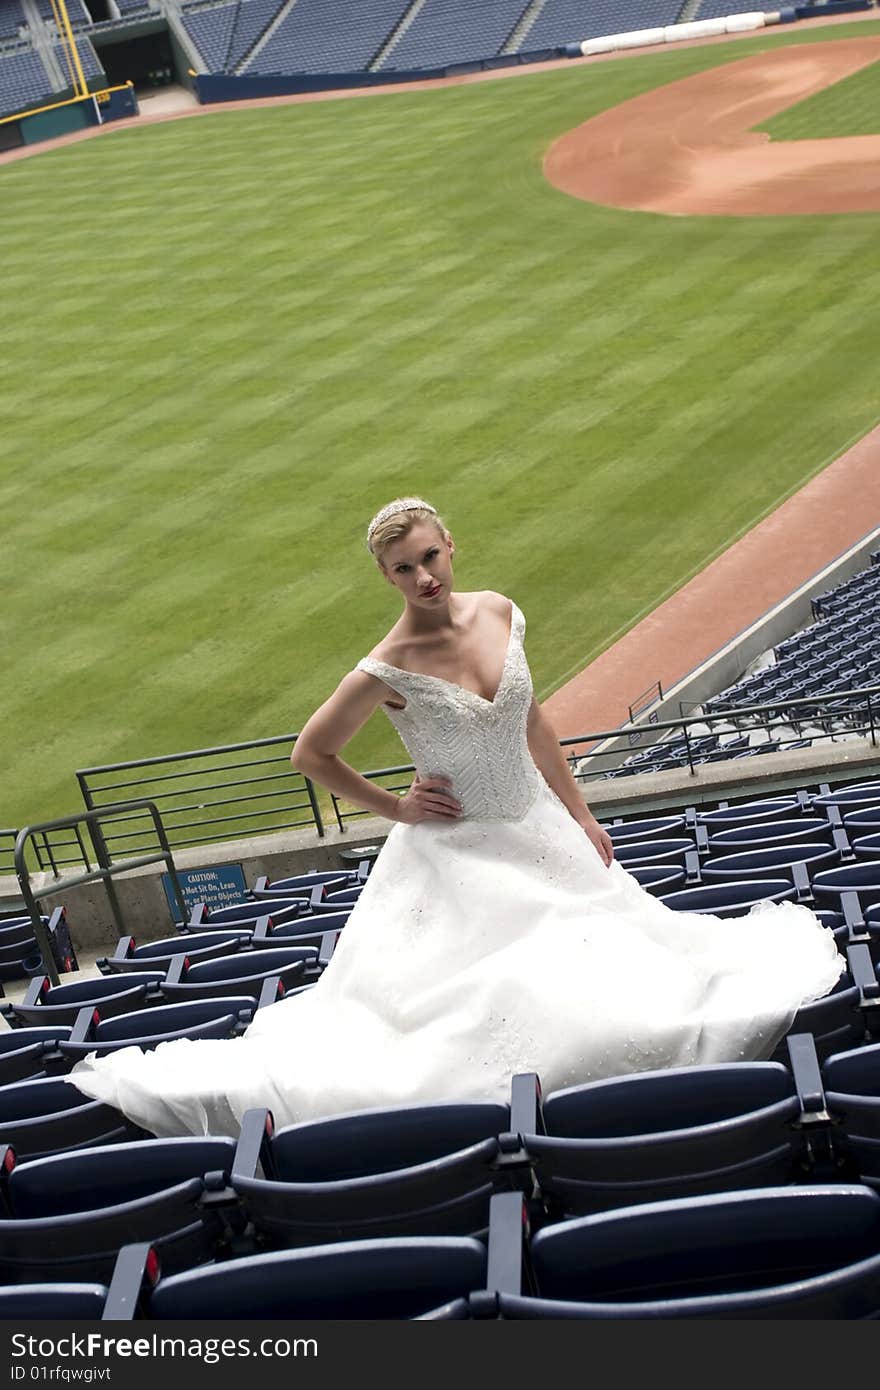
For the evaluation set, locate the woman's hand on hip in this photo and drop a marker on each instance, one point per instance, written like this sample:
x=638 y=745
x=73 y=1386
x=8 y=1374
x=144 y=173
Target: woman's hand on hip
x=429 y=798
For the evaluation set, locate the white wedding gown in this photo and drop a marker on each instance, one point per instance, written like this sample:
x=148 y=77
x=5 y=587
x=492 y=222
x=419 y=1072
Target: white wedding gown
x=496 y=944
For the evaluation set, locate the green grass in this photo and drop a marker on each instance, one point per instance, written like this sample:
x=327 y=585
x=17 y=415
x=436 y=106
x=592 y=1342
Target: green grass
x=228 y=340
x=848 y=107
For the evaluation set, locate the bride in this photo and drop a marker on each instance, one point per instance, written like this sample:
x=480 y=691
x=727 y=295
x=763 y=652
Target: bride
x=497 y=933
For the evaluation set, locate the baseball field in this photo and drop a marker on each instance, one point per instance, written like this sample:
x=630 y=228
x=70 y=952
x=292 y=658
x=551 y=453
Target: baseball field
x=228 y=340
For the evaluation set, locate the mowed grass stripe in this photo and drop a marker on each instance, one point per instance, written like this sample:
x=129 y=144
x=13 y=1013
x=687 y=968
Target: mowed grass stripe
x=260 y=325
x=848 y=107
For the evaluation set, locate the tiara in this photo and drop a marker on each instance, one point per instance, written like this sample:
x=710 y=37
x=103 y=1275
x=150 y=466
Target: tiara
x=400 y=504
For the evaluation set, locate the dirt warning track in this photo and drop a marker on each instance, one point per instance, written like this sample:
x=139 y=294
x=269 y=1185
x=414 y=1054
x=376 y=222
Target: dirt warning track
x=689 y=148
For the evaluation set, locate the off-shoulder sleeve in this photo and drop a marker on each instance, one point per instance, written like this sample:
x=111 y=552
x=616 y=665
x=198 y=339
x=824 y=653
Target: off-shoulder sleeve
x=389 y=674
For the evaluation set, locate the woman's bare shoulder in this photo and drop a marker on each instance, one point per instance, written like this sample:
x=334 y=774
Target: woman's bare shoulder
x=495 y=602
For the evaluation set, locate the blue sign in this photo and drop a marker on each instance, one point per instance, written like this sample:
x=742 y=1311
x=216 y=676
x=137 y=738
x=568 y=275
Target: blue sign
x=218 y=885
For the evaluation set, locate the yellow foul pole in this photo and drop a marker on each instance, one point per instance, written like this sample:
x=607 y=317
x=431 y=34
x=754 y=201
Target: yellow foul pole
x=62 y=19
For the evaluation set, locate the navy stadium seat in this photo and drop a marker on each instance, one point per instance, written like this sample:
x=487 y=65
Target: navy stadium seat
x=643 y=829
x=770 y=834
x=413 y=1170
x=402 y=1277
x=730 y=899
x=302 y=885
x=49 y=1116
x=657 y=878
x=244 y=915
x=678 y=1132
x=61 y=1302
x=26 y=1052
x=67 y=1216
x=774 y=1252
x=45 y=1004
x=653 y=853
x=241 y=974
x=768 y=863
x=158 y=955
x=222 y=1017
x=846 y=1017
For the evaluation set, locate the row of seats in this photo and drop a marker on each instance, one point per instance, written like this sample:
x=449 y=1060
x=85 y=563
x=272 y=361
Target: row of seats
x=818 y=849
x=205 y=981
x=562 y=22
x=352 y=1195
x=212 y=31
x=312 y=37
x=455 y=31
x=690 y=1184
x=25 y=82
x=771 y=1253
x=12 y=19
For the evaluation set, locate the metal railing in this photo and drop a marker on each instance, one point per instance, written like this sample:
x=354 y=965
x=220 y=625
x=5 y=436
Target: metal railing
x=191 y=788
x=393 y=779
x=105 y=872
x=208 y=794
x=47 y=852
x=854 y=710
x=586 y=753
x=642 y=702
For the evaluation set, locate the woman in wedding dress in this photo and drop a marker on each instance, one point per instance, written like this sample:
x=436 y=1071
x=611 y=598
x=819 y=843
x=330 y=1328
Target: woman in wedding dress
x=496 y=933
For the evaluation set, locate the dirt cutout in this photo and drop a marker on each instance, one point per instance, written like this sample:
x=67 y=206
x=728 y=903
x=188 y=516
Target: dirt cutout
x=688 y=148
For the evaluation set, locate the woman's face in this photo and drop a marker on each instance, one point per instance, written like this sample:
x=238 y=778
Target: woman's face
x=420 y=565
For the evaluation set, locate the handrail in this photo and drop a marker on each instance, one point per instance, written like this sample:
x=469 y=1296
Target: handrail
x=205 y=799
x=105 y=873
x=650 y=727
x=654 y=729
x=627 y=730
x=735 y=710
x=645 y=700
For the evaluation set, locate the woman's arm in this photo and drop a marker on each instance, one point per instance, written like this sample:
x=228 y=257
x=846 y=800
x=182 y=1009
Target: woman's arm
x=315 y=755
x=553 y=766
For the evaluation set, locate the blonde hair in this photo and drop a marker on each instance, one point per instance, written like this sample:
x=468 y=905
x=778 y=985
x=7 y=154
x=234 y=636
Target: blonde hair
x=397 y=519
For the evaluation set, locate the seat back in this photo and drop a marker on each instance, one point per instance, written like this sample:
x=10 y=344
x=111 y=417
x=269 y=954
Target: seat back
x=108 y=1176
x=72 y=1213
x=834 y=1021
x=729 y=899
x=48 y=1115
x=775 y=1252
x=416 y=1170
x=250 y=964
x=23 y=1051
x=852 y=1094
x=55 y=1300
x=653 y=1135
x=173 y=1019
x=399 y=1278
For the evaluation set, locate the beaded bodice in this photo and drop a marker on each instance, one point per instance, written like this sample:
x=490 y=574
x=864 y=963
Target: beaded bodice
x=479 y=744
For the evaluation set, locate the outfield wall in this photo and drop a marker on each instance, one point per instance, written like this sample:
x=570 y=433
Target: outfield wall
x=70 y=113
x=212 y=87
